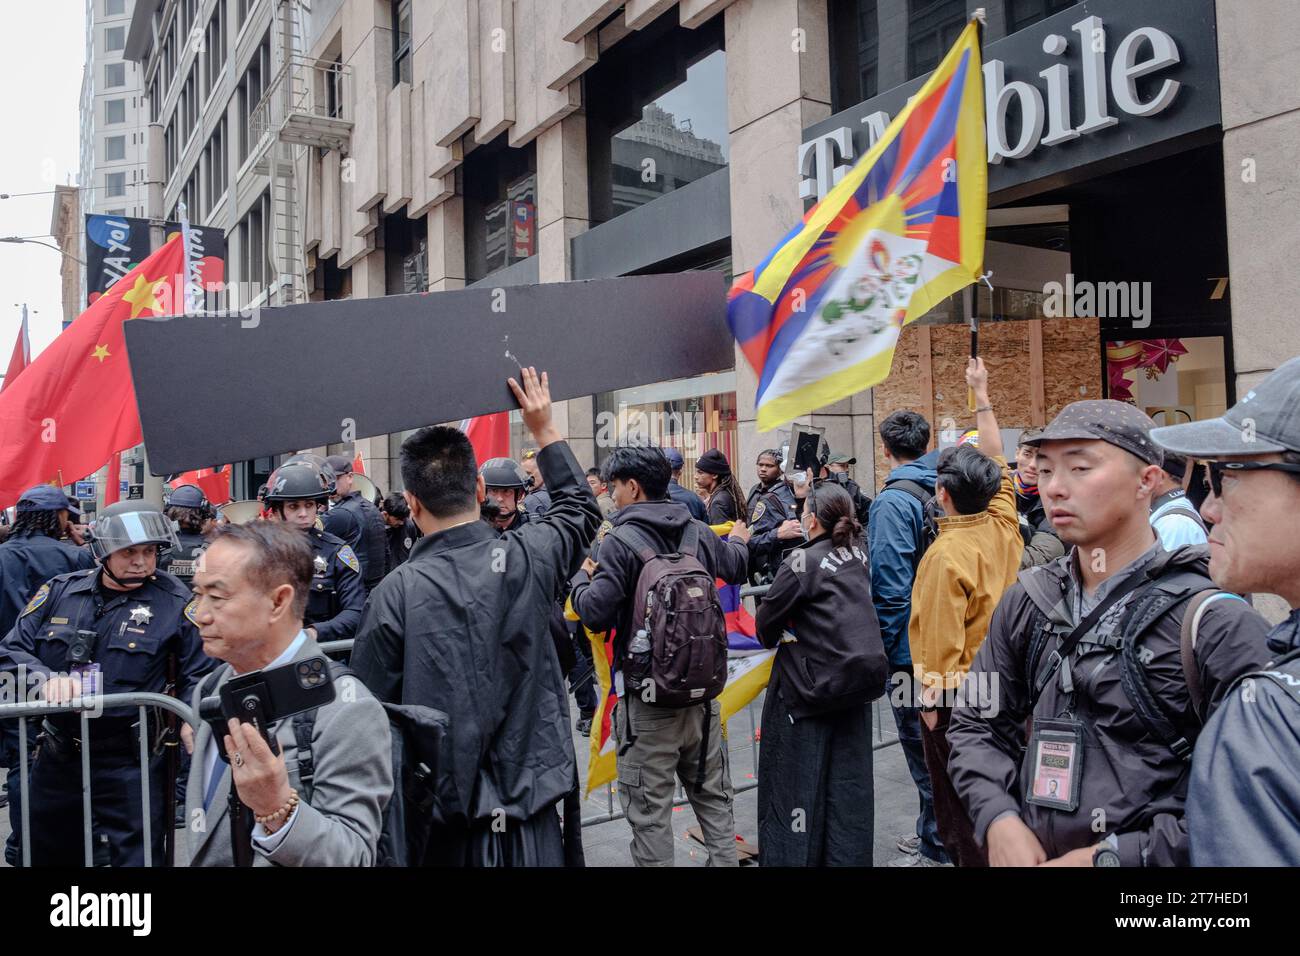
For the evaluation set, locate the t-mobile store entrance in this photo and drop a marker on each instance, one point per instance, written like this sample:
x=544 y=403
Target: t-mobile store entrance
x=1106 y=233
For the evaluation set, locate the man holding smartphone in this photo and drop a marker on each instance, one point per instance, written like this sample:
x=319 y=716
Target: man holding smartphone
x=250 y=595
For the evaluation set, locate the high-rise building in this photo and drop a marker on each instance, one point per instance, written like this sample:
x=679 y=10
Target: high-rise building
x=114 y=116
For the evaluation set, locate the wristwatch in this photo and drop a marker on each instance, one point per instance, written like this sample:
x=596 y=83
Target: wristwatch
x=1105 y=856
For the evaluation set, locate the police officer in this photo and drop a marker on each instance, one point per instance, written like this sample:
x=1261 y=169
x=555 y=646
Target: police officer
x=506 y=482
x=31 y=555
x=124 y=627
x=772 y=516
x=295 y=493
x=836 y=469
x=189 y=507
x=371 y=545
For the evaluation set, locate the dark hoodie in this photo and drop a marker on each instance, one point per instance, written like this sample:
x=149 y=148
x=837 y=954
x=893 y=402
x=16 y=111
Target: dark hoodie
x=605 y=601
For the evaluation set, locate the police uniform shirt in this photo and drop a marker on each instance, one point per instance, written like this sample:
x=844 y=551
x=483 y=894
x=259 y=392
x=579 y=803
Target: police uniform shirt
x=28 y=562
x=134 y=630
x=337 y=592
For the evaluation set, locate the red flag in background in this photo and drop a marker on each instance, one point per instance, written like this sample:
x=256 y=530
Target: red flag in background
x=359 y=464
x=489 y=434
x=74 y=406
x=22 y=355
x=214 y=482
x=113 y=483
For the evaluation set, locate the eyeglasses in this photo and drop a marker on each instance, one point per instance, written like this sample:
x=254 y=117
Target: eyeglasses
x=1215 y=470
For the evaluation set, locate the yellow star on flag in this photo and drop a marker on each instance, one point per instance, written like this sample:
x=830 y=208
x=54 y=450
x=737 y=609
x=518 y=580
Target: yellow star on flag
x=144 y=295
x=101 y=352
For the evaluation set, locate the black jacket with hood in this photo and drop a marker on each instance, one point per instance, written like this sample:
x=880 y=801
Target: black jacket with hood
x=1133 y=785
x=605 y=601
x=822 y=595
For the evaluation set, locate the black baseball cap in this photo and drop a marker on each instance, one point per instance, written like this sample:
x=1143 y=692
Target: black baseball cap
x=341 y=464
x=1116 y=423
x=1266 y=420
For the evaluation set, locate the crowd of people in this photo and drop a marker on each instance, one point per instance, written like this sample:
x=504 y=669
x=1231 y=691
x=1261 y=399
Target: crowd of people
x=1062 y=636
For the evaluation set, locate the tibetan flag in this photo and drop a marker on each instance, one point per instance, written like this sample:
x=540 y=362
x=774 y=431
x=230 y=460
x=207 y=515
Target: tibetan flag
x=741 y=632
x=74 y=407
x=818 y=319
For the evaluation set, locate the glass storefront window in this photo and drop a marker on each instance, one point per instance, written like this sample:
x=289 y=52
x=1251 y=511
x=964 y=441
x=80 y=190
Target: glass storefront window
x=1023 y=13
x=500 y=189
x=691 y=415
x=1172 y=380
x=656 y=117
x=932 y=28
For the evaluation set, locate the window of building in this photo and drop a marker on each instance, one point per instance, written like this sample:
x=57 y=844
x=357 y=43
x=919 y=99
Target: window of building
x=115 y=111
x=1023 y=13
x=334 y=88
x=215 y=165
x=255 y=269
x=406 y=260
x=244 y=7
x=114 y=212
x=114 y=8
x=251 y=89
x=114 y=75
x=855 y=48
x=656 y=115
x=114 y=148
x=500 y=189
x=214 y=45
x=932 y=27
x=115 y=184
x=114 y=39
x=401 y=41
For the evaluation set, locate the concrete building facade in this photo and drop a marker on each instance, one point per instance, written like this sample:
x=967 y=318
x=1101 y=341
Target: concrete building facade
x=435 y=144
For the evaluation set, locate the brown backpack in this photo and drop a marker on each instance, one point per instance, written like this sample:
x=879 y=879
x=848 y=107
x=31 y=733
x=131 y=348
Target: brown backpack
x=677 y=652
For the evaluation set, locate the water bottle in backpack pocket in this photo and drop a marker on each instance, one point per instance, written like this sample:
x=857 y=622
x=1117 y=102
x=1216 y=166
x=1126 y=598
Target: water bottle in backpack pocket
x=678 y=656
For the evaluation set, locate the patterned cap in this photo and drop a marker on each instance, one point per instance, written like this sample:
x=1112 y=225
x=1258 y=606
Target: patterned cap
x=1116 y=423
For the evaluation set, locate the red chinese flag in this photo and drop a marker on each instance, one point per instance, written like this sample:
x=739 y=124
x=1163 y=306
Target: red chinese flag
x=74 y=406
x=113 y=483
x=22 y=355
x=489 y=434
x=214 y=483
x=359 y=464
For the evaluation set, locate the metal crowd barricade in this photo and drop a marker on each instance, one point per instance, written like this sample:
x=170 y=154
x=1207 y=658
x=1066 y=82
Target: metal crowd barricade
x=83 y=706
x=879 y=712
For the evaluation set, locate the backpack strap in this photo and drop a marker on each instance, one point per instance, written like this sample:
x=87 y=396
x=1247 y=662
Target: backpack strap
x=690 y=543
x=304 y=726
x=1166 y=594
x=913 y=488
x=631 y=538
x=1187 y=643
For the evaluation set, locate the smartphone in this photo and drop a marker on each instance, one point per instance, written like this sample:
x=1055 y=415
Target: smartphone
x=265 y=697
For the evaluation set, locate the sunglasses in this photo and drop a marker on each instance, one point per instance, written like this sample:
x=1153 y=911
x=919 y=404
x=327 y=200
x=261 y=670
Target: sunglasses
x=1215 y=471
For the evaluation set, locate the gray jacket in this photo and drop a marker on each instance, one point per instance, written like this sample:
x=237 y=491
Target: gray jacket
x=1133 y=786
x=1243 y=804
x=352 y=752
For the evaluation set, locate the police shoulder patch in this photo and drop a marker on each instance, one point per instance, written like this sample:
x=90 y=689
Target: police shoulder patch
x=759 y=510
x=40 y=597
x=191 y=611
x=349 y=558
x=604 y=529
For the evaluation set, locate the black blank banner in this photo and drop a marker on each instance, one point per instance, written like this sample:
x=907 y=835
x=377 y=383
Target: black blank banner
x=213 y=390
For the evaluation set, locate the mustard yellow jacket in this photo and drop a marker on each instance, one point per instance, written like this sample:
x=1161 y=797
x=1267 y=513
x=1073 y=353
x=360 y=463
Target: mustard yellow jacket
x=959 y=582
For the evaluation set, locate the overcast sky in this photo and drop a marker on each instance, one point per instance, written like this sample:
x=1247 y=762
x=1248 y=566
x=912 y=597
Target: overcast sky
x=42 y=50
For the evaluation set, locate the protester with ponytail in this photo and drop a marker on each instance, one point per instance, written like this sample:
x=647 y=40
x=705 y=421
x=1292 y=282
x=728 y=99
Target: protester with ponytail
x=816 y=801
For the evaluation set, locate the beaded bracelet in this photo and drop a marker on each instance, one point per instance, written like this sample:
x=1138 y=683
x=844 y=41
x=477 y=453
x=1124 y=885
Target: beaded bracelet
x=283 y=812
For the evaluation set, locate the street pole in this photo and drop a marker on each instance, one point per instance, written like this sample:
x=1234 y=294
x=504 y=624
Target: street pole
x=154 y=181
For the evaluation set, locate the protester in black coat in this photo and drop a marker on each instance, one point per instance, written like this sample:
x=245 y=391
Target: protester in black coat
x=463 y=626
x=815 y=765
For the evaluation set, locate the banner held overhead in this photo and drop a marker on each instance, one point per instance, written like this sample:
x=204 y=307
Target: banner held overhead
x=324 y=372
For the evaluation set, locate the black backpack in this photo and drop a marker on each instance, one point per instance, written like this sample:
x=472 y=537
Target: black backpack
x=929 y=512
x=677 y=610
